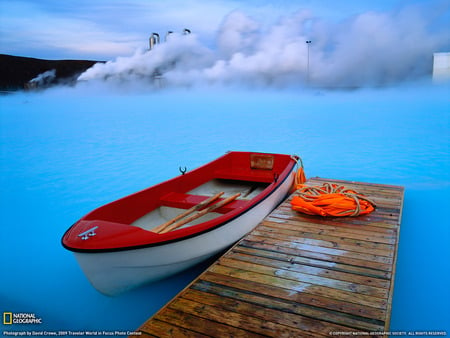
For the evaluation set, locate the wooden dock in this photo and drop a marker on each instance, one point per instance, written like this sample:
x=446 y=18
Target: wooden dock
x=296 y=275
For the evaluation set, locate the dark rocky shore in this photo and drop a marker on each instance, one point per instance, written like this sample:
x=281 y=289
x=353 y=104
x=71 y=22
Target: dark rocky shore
x=16 y=72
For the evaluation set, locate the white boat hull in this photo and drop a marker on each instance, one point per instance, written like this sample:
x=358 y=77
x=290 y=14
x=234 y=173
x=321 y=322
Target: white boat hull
x=115 y=272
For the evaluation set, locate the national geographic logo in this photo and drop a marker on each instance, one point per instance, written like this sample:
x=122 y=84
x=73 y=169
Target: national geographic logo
x=10 y=318
x=7 y=318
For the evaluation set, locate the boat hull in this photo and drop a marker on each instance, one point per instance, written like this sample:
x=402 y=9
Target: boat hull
x=115 y=272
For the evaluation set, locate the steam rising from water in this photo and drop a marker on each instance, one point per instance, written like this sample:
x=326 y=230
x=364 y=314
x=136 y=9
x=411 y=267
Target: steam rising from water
x=370 y=49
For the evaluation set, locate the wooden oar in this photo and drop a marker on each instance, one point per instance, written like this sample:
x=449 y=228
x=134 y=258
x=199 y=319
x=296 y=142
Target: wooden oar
x=200 y=213
x=196 y=207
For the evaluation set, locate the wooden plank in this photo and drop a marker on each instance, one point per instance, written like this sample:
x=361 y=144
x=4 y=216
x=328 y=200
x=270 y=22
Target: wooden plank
x=306 y=319
x=327 y=241
x=234 y=319
x=359 y=186
x=308 y=246
x=300 y=286
x=229 y=282
x=312 y=270
x=263 y=303
x=372 y=224
x=305 y=277
x=379 y=236
x=335 y=242
x=185 y=323
x=394 y=267
x=316 y=254
x=330 y=266
x=160 y=328
x=296 y=275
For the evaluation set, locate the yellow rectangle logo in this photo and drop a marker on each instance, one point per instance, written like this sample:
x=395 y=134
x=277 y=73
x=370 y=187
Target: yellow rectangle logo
x=7 y=318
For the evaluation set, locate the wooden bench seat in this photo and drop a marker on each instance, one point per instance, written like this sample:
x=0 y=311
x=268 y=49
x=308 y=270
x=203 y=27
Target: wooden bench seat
x=186 y=201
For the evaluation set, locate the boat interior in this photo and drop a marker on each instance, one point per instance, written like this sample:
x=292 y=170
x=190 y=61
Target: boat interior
x=174 y=204
x=221 y=189
x=227 y=184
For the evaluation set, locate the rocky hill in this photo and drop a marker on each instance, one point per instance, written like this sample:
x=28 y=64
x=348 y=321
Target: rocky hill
x=18 y=72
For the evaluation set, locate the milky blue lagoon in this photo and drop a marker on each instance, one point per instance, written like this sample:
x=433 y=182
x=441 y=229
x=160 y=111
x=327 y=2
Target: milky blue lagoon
x=64 y=152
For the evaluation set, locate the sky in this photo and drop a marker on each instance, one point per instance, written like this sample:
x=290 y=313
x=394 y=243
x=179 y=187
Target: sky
x=106 y=29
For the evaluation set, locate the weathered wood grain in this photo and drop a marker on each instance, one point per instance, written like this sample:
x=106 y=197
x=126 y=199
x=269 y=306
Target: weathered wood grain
x=312 y=270
x=228 y=283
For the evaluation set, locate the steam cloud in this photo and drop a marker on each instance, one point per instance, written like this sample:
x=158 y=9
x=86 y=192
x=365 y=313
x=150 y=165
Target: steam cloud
x=370 y=49
x=44 y=78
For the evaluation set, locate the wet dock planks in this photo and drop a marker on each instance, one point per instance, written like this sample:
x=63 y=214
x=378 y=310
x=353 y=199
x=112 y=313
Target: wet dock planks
x=296 y=275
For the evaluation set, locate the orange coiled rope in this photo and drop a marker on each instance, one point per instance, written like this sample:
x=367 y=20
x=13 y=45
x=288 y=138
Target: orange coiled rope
x=330 y=200
x=300 y=176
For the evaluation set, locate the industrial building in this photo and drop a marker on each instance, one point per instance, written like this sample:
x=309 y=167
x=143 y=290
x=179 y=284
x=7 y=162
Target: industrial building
x=441 y=67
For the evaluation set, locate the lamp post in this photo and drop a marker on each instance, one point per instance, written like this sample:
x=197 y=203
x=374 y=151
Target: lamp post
x=308 y=42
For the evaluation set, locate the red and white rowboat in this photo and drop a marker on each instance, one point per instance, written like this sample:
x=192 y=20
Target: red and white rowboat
x=176 y=224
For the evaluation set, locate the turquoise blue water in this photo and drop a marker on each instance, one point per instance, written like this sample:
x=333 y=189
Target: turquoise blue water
x=64 y=152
